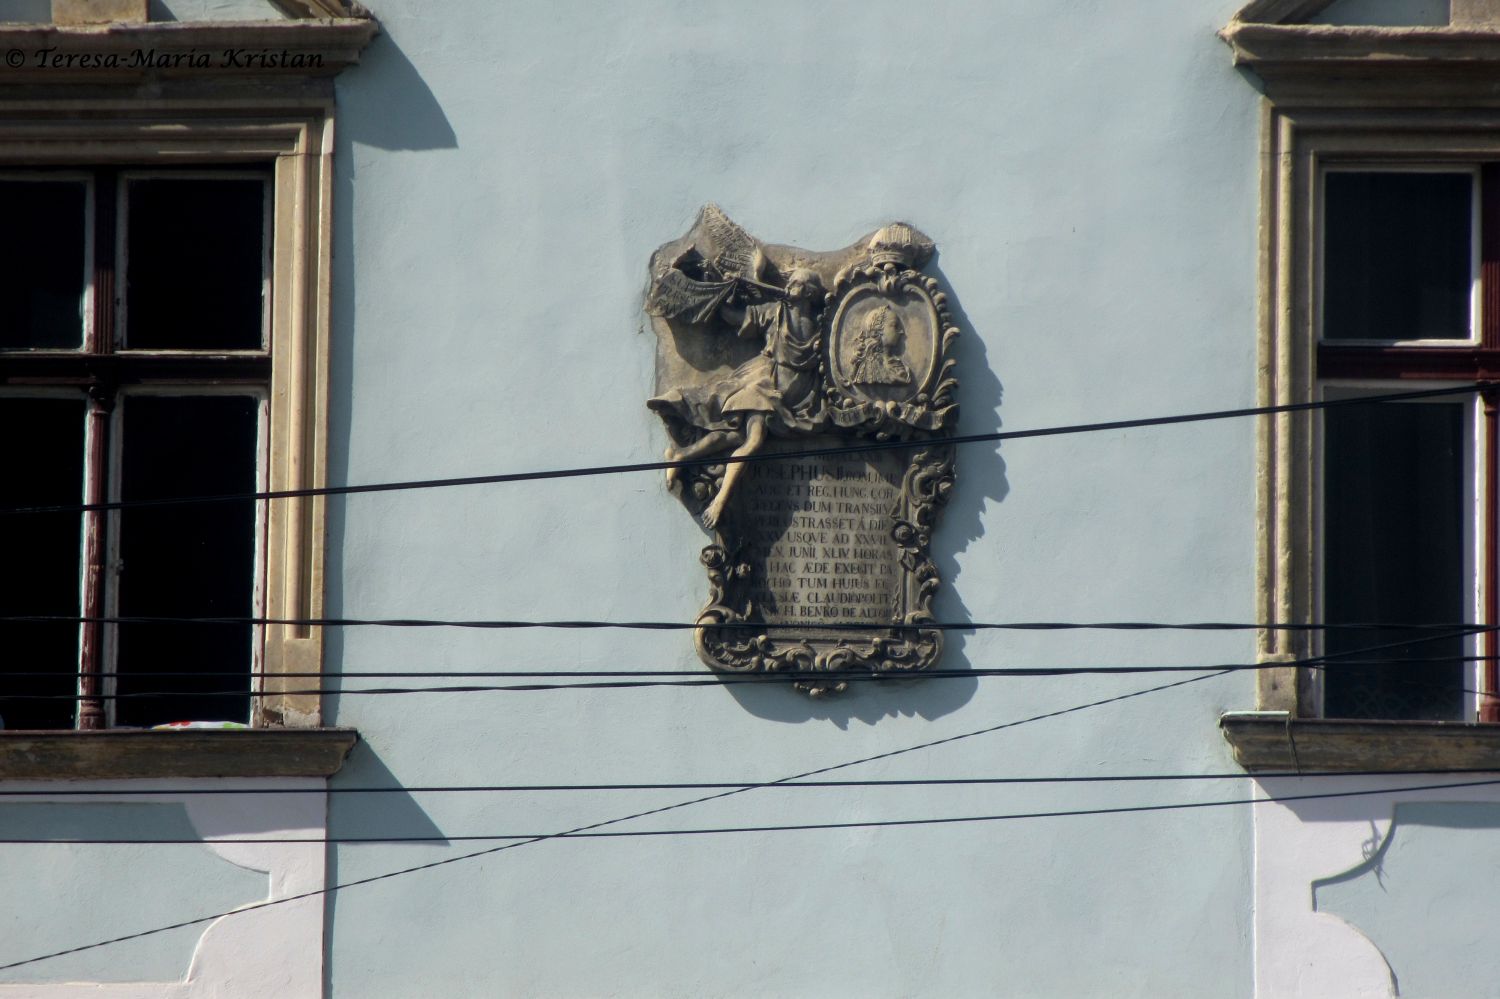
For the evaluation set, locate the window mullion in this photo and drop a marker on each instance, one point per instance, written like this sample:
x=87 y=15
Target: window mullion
x=91 y=713
x=1489 y=574
x=100 y=339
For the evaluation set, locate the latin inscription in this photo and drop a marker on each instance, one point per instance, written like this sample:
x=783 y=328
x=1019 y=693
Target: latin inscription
x=817 y=534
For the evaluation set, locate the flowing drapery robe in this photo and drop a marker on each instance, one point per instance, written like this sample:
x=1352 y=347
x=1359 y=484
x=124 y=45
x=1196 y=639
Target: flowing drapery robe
x=780 y=382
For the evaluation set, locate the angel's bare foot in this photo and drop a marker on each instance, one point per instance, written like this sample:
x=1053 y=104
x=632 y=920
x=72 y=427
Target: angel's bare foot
x=674 y=474
x=715 y=510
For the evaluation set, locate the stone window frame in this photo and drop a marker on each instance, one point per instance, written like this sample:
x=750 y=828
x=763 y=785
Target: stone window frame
x=102 y=111
x=1351 y=95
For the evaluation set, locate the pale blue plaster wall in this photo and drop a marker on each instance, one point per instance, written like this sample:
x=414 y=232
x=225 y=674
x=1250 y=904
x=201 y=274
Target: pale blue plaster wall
x=213 y=10
x=25 y=11
x=158 y=10
x=504 y=170
x=59 y=896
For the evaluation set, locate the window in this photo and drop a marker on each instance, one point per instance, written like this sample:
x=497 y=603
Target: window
x=136 y=364
x=139 y=355
x=1380 y=274
x=1381 y=513
x=1401 y=515
x=164 y=332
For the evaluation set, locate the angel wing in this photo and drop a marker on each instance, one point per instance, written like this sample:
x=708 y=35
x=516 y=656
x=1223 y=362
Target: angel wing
x=676 y=296
x=734 y=250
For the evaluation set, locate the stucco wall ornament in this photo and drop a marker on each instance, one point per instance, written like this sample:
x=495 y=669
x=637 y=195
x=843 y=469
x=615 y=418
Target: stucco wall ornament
x=767 y=350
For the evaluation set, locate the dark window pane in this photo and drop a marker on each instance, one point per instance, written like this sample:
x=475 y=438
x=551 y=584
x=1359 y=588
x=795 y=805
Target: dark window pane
x=1397 y=258
x=1394 y=509
x=194 y=560
x=42 y=264
x=43 y=457
x=194 y=251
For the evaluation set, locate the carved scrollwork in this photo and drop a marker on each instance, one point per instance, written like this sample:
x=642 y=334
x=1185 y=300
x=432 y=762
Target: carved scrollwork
x=820 y=566
x=899 y=318
x=749 y=645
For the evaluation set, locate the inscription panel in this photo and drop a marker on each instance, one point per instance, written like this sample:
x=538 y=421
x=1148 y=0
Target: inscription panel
x=817 y=535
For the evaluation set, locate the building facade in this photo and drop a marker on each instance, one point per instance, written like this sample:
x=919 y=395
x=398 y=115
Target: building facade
x=270 y=250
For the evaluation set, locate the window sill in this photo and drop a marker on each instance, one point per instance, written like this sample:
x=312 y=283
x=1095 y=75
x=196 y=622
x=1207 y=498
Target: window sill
x=126 y=753
x=1274 y=741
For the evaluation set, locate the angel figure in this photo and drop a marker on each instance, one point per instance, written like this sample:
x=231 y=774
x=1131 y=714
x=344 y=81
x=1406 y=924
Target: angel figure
x=775 y=392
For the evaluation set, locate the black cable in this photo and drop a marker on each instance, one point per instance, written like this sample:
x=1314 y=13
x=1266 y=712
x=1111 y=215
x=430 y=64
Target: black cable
x=657 y=466
x=400 y=872
x=515 y=840
x=798 y=827
x=718 y=785
x=608 y=679
x=1311 y=663
x=700 y=678
x=522 y=840
x=698 y=672
x=863 y=626
x=889 y=754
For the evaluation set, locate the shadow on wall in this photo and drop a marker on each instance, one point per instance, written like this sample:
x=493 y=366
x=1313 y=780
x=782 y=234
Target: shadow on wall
x=980 y=478
x=54 y=900
x=385 y=103
x=389 y=812
x=386 y=812
x=382 y=102
x=1437 y=859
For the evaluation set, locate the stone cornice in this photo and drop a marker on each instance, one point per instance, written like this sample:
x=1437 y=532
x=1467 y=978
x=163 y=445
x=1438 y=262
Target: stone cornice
x=1372 y=67
x=1332 y=47
x=130 y=53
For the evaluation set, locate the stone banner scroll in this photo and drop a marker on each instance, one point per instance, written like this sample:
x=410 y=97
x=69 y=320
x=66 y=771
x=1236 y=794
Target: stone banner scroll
x=770 y=355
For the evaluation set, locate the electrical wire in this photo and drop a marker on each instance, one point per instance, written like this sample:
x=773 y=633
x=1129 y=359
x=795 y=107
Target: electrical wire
x=698 y=678
x=657 y=466
x=923 y=674
x=864 y=626
x=794 y=827
x=487 y=851
x=718 y=795
x=609 y=679
x=514 y=840
x=1160 y=778
x=591 y=830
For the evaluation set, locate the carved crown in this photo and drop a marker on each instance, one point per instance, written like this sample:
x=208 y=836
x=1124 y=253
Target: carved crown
x=901 y=244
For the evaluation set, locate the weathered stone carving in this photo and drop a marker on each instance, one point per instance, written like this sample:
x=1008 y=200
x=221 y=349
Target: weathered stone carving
x=820 y=562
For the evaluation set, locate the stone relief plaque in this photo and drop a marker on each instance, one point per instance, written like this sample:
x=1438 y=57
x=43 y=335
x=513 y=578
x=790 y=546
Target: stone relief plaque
x=829 y=374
